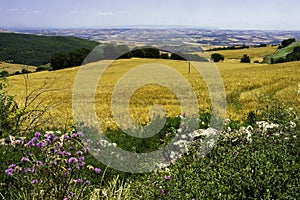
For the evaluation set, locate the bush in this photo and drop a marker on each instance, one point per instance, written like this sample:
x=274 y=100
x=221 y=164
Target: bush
x=216 y=57
x=245 y=59
x=8 y=110
x=4 y=73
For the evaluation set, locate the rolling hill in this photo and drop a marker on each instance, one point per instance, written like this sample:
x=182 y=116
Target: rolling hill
x=281 y=53
x=37 y=50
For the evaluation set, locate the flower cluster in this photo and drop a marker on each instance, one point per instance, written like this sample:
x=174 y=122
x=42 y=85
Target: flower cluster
x=50 y=157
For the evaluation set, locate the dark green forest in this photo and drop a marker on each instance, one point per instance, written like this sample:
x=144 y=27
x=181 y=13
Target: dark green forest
x=37 y=50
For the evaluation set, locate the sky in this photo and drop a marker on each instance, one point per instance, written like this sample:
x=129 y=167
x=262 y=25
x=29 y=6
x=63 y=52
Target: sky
x=223 y=14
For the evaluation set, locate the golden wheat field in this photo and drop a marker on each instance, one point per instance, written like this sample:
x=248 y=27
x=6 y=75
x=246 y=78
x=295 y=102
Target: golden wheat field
x=12 y=68
x=248 y=87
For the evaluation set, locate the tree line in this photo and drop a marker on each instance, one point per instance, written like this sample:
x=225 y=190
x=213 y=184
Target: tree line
x=77 y=57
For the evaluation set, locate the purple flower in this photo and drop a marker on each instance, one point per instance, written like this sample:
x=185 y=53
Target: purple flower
x=12 y=166
x=71 y=148
x=79 y=181
x=87 y=182
x=75 y=135
x=35 y=181
x=81 y=158
x=26 y=170
x=168 y=177
x=40 y=163
x=9 y=171
x=72 y=160
x=79 y=153
x=66 y=137
x=86 y=149
x=17 y=142
x=48 y=140
x=162 y=191
x=55 y=138
x=30 y=143
x=24 y=159
x=40 y=144
x=97 y=170
x=38 y=134
x=80 y=134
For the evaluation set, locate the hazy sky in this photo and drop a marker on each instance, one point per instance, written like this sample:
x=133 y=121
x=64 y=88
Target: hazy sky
x=231 y=14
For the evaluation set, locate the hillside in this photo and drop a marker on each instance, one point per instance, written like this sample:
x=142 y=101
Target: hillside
x=37 y=50
x=281 y=53
x=13 y=68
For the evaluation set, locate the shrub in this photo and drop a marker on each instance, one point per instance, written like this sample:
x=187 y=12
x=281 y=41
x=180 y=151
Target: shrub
x=245 y=59
x=216 y=57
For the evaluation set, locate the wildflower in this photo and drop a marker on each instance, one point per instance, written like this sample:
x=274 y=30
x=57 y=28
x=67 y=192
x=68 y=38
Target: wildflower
x=79 y=181
x=168 y=177
x=24 y=159
x=26 y=170
x=40 y=163
x=97 y=170
x=9 y=171
x=12 y=166
x=87 y=182
x=79 y=153
x=75 y=135
x=162 y=191
x=40 y=144
x=72 y=160
x=38 y=134
x=71 y=148
x=80 y=134
x=86 y=149
x=17 y=142
x=35 y=181
x=66 y=137
x=81 y=159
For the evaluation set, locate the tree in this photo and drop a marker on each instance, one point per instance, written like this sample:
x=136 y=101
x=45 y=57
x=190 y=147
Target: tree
x=287 y=42
x=216 y=57
x=245 y=59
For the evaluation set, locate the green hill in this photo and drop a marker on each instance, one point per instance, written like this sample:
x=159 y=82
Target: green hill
x=37 y=50
x=281 y=54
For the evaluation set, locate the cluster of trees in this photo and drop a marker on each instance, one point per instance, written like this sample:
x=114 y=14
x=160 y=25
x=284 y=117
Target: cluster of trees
x=76 y=57
x=37 y=50
x=229 y=48
x=73 y=58
x=286 y=43
x=216 y=57
x=293 y=56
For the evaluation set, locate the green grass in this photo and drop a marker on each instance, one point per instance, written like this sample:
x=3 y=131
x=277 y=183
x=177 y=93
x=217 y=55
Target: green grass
x=281 y=53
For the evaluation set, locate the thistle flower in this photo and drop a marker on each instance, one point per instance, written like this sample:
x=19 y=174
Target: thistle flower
x=24 y=159
x=97 y=170
x=72 y=160
x=35 y=181
x=9 y=171
x=38 y=134
x=79 y=181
